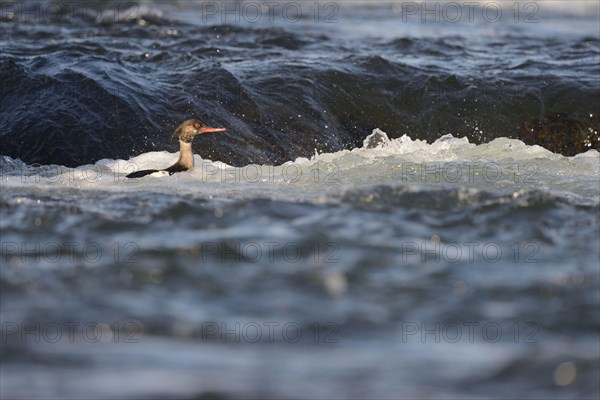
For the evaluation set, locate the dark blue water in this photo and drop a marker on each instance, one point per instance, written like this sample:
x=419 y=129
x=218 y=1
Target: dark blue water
x=80 y=85
x=453 y=253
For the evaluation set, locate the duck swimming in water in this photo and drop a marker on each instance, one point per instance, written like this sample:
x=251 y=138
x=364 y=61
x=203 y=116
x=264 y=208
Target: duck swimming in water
x=185 y=132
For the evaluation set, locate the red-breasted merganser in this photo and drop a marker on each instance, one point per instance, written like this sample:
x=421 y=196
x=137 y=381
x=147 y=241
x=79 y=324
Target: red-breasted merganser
x=185 y=132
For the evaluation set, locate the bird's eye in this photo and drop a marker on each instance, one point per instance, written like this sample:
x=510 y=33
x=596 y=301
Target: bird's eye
x=197 y=125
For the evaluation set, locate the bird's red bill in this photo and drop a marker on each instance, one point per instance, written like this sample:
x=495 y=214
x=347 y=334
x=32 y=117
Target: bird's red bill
x=207 y=129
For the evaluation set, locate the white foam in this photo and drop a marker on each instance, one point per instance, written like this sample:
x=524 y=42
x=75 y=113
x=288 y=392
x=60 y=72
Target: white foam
x=506 y=165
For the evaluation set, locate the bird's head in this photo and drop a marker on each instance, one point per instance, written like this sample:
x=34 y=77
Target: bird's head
x=190 y=128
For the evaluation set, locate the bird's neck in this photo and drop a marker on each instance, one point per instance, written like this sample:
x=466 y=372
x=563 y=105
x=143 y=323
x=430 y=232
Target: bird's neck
x=186 y=157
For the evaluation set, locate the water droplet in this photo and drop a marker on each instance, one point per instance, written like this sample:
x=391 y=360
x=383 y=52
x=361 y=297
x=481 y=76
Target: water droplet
x=565 y=374
x=335 y=282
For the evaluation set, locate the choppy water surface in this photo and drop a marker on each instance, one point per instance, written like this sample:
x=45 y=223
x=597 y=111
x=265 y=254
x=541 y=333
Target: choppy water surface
x=450 y=253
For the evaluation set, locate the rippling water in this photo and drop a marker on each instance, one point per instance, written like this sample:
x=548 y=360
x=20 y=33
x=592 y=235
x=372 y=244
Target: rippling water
x=399 y=209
